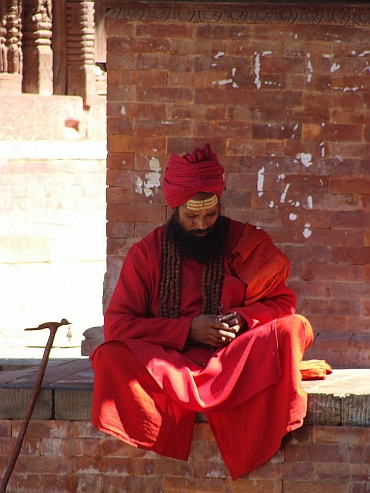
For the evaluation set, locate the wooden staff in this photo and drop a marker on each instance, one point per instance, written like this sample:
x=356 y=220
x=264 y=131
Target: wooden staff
x=53 y=326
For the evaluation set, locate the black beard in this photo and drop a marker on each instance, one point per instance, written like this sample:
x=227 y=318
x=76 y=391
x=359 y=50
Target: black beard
x=200 y=248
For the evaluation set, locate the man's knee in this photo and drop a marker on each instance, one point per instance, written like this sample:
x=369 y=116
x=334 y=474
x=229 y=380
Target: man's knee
x=296 y=326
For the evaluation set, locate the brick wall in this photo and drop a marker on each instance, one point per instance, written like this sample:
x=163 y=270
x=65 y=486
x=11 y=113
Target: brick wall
x=71 y=456
x=284 y=102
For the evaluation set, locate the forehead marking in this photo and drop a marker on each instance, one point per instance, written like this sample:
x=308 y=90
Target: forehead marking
x=202 y=205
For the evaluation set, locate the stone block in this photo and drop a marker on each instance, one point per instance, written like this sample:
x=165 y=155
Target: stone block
x=73 y=404
x=14 y=402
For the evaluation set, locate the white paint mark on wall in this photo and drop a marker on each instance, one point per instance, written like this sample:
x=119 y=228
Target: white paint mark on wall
x=138 y=185
x=309 y=67
x=260 y=181
x=152 y=179
x=305 y=158
x=123 y=111
x=264 y=53
x=155 y=164
x=322 y=145
x=219 y=55
x=334 y=67
x=307 y=231
x=257 y=68
x=223 y=82
x=283 y=195
x=309 y=202
x=233 y=71
x=152 y=182
x=281 y=177
x=271 y=204
x=292 y=217
x=364 y=53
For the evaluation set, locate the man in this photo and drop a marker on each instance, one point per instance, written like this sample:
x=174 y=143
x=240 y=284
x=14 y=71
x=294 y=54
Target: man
x=201 y=320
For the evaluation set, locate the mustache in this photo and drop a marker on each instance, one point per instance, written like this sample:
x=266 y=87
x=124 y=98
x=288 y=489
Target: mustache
x=196 y=232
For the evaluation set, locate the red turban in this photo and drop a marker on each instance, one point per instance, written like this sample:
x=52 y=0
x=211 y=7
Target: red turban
x=192 y=173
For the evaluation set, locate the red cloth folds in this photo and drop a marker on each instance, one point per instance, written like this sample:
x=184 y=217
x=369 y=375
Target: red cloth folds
x=190 y=174
x=259 y=263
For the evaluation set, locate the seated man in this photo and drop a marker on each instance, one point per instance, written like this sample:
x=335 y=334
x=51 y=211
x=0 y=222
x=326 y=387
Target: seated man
x=201 y=320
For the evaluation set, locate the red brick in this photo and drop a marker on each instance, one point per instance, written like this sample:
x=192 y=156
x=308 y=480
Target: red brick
x=120 y=160
x=84 y=429
x=195 y=112
x=181 y=146
x=350 y=219
x=132 y=483
x=342 y=435
x=348 y=150
x=120 y=178
x=358 y=256
x=195 y=485
x=5 y=428
x=333 y=272
x=350 y=185
x=254 y=148
x=347 y=116
x=330 y=131
x=308 y=115
x=115 y=27
x=112 y=447
x=46 y=464
x=147 y=62
x=131 y=212
x=333 y=201
x=125 y=94
x=128 y=143
x=24 y=482
x=116 y=109
x=120 y=195
x=174 y=30
x=246 y=485
x=330 y=306
x=221 y=32
x=275 y=131
x=210 y=469
x=120 y=230
x=147 y=128
x=122 y=61
x=119 y=126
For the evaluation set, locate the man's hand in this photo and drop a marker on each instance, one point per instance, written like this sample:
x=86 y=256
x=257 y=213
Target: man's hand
x=208 y=329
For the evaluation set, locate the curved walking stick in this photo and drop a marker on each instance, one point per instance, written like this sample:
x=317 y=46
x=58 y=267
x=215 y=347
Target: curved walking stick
x=53 y=326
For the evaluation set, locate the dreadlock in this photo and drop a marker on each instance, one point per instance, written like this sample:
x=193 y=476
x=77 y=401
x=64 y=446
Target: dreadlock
x=212 y=277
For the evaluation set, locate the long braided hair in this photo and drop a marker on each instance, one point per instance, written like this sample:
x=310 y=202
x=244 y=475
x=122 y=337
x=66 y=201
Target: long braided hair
x=212 y=277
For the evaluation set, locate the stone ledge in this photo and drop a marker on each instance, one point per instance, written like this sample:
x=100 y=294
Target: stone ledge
x=343 y=399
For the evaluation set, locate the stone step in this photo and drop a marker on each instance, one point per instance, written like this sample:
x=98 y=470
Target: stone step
x=342 y=399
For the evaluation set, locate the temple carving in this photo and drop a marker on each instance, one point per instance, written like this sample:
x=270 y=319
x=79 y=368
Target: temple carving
x=51 y=46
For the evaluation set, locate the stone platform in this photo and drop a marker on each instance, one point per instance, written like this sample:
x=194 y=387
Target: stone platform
x=342 y=399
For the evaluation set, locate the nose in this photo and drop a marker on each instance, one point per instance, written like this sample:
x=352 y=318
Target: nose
x=202 y=222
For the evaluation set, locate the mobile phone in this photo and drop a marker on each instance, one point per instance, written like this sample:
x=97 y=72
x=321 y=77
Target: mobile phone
x=223 y=318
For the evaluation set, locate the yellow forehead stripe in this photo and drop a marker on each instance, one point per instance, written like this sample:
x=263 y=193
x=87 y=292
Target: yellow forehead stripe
x=202 y=205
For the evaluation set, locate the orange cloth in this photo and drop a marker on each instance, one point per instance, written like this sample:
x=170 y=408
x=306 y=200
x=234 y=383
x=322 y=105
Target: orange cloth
x=315 y=369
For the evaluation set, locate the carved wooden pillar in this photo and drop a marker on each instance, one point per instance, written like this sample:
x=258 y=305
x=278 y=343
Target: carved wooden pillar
x=37 y=52
x=10 y=36
x=80 y=48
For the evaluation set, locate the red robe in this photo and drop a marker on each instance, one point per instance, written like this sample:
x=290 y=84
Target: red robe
x=149 y=384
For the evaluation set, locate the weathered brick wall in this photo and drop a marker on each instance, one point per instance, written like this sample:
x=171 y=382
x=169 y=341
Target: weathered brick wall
x=71 y=456
x=284 y=101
